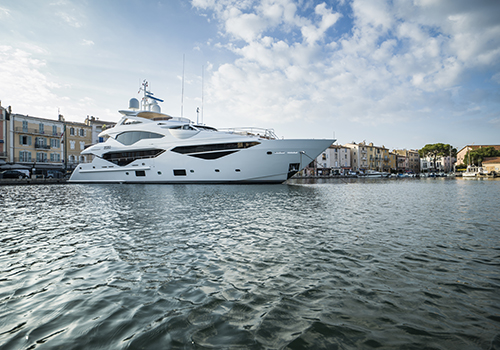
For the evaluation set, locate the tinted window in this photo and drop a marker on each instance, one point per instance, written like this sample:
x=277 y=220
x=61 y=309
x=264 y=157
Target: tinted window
x=131 y=137
x=213 y=147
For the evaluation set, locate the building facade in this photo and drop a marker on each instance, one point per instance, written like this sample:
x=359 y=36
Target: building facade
x=35 y=142
x=492 y=165
x=40 y=144
x=77 y=137
x=441 y=164
x=335 y=160
x=408 y=161
x=369 y=157
x=97 y=127
x=463 y=152
x=4 y=128
x=393 y=161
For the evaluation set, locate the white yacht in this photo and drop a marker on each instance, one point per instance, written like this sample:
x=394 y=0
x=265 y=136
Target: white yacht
x=147 y=146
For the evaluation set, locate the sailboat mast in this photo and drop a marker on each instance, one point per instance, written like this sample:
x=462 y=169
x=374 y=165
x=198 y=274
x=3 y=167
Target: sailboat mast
x=182 y=94
x=202 y=81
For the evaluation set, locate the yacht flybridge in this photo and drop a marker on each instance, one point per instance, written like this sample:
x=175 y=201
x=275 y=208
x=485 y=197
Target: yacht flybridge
x=147 y=146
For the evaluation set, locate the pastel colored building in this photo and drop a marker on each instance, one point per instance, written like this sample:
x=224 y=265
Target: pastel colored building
x=35 y=142
x=4 y=128
x=407 y=160
x=463 y=152
x=77 y=137
x=369 y=157
x=335 y=160
x=492 y=165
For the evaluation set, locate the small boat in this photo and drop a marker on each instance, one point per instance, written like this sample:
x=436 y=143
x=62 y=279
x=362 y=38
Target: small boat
x=375 y=174
x=474 y=171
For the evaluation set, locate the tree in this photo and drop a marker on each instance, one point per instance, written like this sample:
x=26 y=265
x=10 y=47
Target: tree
x=437 y=150
x=478 y=154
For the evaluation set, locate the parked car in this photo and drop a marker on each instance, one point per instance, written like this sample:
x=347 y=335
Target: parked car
x=13 y=174
x=54 y=174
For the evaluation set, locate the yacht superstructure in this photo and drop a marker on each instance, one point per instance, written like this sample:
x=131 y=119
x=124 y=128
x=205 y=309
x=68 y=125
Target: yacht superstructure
x=147 y=146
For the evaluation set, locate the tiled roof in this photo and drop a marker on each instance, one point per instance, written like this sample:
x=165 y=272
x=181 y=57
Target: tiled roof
x=490 y=160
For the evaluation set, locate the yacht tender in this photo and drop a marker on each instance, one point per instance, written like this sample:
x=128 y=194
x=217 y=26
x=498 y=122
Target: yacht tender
x=147 y=146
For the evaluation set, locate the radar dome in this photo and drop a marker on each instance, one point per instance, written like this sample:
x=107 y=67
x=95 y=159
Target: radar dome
x=156 y=107
x=133 y=103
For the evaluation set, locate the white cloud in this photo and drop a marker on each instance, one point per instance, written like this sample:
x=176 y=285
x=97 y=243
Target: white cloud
x=382 y=71
x=4 y=12
x=246 y=26
x=86 y=42
x=69 y=19
x=24 y=82
x=315 y=32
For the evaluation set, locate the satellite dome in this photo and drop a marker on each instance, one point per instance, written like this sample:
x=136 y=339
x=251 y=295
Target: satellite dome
x=155 y=107
x=133 y=103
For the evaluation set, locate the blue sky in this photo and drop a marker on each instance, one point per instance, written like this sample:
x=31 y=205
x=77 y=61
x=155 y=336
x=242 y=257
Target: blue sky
x=396 y=73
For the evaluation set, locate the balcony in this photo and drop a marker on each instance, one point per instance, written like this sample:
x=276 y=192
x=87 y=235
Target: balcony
x=40 y=146
x=35 y=131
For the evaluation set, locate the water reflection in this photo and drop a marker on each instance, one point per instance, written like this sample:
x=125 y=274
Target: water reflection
x=352 y=264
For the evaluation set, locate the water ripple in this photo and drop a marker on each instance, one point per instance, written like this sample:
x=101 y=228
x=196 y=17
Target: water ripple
x=347 y=265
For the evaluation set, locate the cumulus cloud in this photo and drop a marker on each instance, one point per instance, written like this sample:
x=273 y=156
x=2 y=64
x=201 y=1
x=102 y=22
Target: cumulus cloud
x=291 y=61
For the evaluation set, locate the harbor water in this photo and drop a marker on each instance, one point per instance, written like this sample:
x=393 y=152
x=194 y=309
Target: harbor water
x=333 y=264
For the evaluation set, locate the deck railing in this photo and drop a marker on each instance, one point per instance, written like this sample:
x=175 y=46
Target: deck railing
x=251 y=131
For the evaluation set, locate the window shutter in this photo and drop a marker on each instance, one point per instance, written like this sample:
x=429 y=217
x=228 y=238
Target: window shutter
x=29 y=140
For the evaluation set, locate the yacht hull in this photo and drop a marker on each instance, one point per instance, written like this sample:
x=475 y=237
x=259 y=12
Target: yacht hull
x=271 y=161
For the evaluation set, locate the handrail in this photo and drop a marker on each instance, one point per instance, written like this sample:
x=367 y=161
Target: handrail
x=252 y=131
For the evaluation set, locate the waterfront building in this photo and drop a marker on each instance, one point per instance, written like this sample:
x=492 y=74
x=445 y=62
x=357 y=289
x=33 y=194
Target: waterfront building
x=35 y=142
x=492 y=165
x=463 y=152
x=77 y=137
x=97 y=127
x=392 y=161
x=408 y=160
x=335 y=160
x=369 y=157
x=440 y=164
x=4 y=127
x=45 y=144
x=401 y=162
x=358 y=156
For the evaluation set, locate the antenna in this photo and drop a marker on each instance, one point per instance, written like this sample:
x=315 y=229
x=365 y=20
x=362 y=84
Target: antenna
x=182 y=95
x=202 y=81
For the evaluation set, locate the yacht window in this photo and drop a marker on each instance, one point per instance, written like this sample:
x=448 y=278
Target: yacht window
x=140 y=173
x=206 y=128
x=179 y=172
x=130 y=137
x=124 y=158
x=214 y=147
x=212 y=155
x=131 y=121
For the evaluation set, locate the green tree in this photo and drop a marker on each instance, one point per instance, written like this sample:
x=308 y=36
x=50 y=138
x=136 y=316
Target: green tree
x=477 y=155
x=436 y=150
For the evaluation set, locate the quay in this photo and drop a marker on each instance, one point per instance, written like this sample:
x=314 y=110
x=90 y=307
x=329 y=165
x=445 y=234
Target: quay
x=36 y=181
